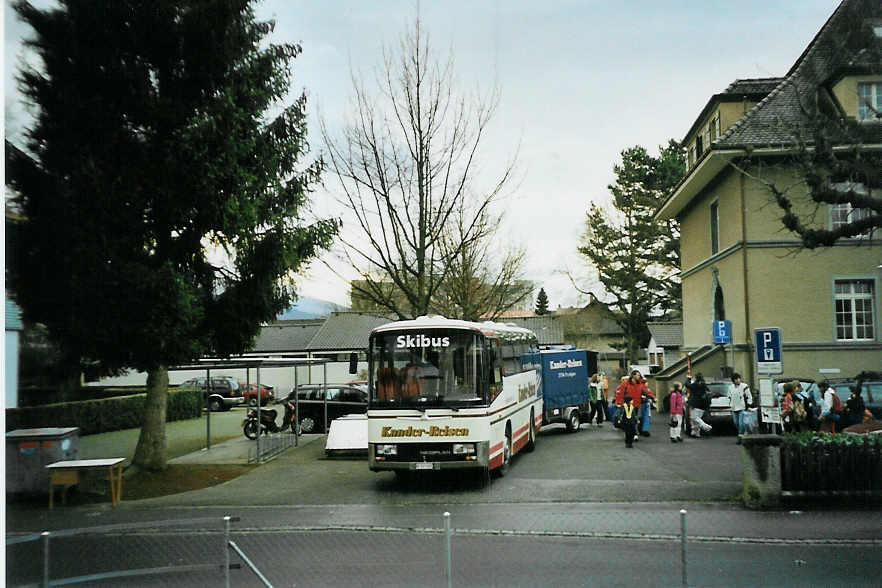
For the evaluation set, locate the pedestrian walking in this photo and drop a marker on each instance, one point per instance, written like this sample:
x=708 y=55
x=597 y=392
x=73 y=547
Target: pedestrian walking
x=740 y=398
x=595 y=393
x=629 y=422
x=676 y=424
x=619 y=400
x=699 y=400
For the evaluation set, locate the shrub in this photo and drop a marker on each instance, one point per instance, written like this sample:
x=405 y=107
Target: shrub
x=103 y=415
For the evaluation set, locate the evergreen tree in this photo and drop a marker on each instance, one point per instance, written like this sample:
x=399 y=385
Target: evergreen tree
x=636 y=258
x=151 y=155
x=542 y=302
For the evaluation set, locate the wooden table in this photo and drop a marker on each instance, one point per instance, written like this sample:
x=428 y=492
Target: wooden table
x=67 y=473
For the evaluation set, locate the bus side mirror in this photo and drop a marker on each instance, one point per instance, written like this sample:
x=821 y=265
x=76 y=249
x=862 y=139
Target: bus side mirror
x=353 y=363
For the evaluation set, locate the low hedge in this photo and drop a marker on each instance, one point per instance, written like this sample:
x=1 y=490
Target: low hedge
x=104 y=415
x=823 y=462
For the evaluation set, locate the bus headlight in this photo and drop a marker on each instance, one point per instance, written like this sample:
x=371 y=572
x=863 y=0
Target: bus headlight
x=463 y=449
x=387 y=450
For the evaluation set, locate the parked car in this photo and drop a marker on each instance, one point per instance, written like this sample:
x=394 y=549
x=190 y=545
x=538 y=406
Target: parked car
x=342 y=399
x=720 y=405
x=871 y=392
x=267 y=393
x=720 y=411
x=225 y=391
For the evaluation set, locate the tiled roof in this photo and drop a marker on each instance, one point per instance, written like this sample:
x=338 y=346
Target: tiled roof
x=346 y=330
x=778 y=117
x=548 y=329
x=753 y=86
x=668 y=334
x=291 y=335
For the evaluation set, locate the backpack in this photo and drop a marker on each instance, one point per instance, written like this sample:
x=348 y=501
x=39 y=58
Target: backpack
x=799 y=413
x=837 y=403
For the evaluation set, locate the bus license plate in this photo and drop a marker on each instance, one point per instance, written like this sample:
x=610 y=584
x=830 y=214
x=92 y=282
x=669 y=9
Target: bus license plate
x=424 y=465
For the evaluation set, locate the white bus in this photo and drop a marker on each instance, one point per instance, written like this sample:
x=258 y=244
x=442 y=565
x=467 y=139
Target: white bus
x=451 y=394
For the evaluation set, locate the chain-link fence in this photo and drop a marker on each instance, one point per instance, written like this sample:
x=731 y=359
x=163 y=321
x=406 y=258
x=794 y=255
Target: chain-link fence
x=597 y=545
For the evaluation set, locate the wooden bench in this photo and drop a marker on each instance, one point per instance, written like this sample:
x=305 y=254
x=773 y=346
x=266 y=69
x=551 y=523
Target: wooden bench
x=67 y=473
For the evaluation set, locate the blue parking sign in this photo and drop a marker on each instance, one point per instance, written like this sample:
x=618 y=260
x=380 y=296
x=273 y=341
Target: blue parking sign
x=722 y=332
x=768 y=350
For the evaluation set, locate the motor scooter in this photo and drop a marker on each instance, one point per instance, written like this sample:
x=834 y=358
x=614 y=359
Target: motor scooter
x=268 y=421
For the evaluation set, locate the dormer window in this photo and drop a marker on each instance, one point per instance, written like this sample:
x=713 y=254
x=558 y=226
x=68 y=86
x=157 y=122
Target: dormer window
x=698 y=148
x=870 y=101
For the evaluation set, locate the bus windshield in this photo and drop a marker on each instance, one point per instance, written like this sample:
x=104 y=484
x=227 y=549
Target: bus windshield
x=427 y=368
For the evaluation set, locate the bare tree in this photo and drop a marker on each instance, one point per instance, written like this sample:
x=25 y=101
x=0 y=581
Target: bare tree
x=406 y=163
x=482 y=281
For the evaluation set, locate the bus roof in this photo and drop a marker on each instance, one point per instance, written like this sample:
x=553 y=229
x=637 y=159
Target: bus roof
x=493 y=329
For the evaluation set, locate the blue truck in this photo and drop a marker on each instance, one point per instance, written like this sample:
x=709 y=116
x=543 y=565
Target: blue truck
x=563 y=383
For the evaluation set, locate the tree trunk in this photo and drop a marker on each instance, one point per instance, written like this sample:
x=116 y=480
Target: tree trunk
x=151 y=453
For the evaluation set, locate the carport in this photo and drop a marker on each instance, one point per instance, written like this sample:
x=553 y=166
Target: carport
x=248 y=363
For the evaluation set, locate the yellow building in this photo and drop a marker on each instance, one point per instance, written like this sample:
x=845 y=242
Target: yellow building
x=739 y=263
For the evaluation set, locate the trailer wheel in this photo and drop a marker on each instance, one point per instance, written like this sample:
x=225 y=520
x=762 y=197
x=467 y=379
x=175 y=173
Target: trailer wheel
x=573 y=421
x=531 y=440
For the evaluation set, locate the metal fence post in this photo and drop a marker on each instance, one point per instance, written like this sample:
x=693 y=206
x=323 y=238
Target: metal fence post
x=227 y=550
x=45 y=535
x=448 y=567
x=683 y=545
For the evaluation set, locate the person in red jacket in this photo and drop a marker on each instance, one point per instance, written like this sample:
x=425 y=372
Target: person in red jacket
x=635 y=387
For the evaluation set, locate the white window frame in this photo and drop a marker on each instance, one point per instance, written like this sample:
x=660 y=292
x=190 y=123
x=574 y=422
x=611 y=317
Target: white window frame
x=847 y=212
x=875 y=99
x=853 y=298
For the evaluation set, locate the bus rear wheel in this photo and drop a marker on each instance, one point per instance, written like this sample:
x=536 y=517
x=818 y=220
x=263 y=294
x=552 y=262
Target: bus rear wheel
x=506 y=456
x=531 y=440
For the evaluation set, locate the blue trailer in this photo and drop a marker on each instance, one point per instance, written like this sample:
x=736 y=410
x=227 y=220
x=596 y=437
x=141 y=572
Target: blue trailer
x=564 y=385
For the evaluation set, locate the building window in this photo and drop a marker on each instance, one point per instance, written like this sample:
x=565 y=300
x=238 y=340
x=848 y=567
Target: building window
x=854 y=310
x=691 y=158
x=707 y=136
x=715 y=123
x=715 y=227
x=699 y=150
x=843 y=214
x=870 y=101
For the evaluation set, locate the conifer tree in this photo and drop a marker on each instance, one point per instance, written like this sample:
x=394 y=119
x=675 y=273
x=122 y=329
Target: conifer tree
x=542 y=302
x=152 y=148
x=636 y=258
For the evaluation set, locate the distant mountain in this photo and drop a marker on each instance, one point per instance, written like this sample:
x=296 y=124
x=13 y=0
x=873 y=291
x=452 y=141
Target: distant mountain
x=307 y=308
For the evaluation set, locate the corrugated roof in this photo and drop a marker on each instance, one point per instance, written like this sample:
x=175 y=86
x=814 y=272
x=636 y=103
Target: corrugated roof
x=346 y=330
x=548 y=329
x=290 y=335
x=13 y=316
x=666 y=334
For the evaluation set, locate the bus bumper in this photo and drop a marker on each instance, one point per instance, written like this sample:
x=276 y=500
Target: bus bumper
x=428 y=457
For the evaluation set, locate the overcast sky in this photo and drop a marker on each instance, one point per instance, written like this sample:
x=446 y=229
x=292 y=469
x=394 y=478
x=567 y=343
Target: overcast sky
x=579 y=82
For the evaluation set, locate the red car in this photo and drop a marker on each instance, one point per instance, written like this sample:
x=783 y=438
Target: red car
x=250 y=393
